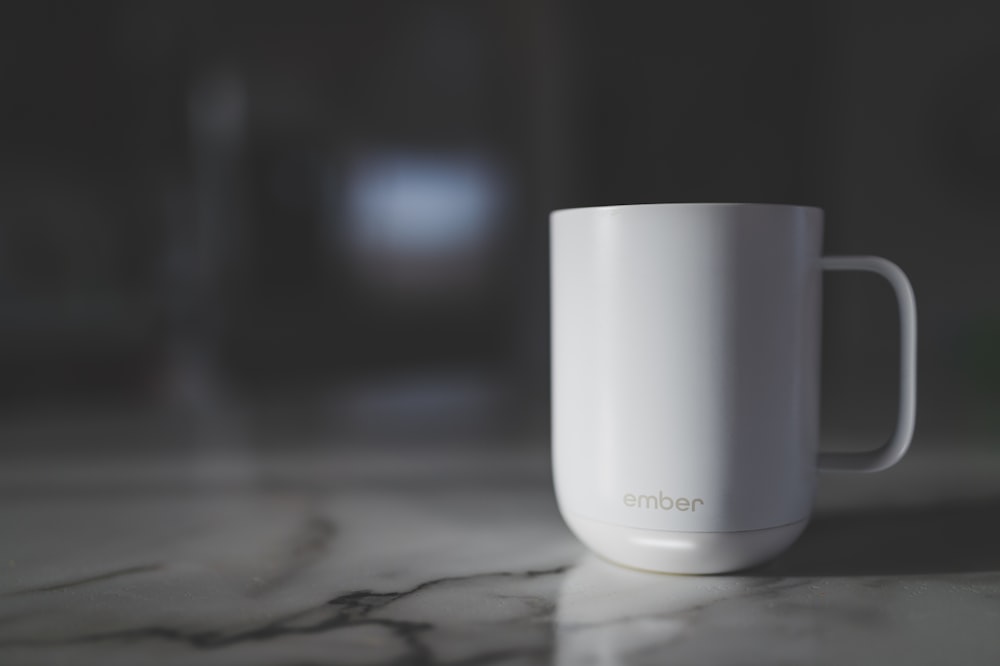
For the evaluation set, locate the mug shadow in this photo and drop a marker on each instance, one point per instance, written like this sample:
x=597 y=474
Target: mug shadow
x=953 y=538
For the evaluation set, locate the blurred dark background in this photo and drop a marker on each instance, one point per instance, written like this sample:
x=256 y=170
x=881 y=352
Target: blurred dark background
x=327 y=221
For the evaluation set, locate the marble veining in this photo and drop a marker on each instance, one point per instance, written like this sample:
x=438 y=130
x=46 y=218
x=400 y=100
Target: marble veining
x=334 y=560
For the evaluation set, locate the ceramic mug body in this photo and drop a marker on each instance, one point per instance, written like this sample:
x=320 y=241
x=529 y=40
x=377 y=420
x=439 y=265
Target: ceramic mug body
x=685 y=365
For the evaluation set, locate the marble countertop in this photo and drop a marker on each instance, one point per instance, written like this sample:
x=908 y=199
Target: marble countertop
x=458 y=556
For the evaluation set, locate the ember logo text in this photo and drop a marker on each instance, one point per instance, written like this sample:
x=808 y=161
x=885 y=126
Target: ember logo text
x=662 y=502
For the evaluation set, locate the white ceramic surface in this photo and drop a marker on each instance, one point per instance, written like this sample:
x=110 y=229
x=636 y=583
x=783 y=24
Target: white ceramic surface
x=685 y=352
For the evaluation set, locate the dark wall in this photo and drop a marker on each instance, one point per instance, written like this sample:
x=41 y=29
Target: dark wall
x=341 y=207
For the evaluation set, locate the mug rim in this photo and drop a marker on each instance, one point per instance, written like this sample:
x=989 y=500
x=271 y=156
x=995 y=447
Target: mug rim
x=678 y=204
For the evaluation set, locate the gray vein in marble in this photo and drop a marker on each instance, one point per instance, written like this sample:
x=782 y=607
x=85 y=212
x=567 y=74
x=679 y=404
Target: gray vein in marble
x=351 y=609
x=96 y=578
x=305 y=547
x=368 y=601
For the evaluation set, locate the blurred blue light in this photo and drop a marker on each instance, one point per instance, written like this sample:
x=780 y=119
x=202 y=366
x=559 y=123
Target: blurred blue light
x=422 y=205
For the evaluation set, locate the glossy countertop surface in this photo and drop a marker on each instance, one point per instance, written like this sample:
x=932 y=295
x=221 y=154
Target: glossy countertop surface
x=346 y=554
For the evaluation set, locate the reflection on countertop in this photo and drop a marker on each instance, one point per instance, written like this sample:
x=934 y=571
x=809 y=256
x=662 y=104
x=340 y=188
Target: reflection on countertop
x=389 y=555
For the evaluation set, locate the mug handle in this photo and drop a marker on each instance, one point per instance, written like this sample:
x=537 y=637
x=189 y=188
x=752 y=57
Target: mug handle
x=889 y=453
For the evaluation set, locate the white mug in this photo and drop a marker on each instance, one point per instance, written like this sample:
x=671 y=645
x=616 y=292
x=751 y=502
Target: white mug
x=685 y=370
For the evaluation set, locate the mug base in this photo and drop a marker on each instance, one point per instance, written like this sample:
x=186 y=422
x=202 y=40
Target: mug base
x=683 y=552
